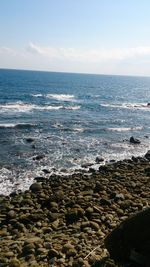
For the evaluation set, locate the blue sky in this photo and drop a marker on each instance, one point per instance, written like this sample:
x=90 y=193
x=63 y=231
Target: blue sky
x=89 y=36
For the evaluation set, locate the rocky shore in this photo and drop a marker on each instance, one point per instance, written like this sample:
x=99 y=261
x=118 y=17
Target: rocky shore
x=63 y=221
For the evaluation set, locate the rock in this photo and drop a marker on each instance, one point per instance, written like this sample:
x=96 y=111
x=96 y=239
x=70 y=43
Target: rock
x=29 y=139
x=36 y=187
x=98 y=187
x=67 y=247
x=134 y=140
x=104 y=201
x=14 y=263
x=11 y=214
x=131 y=239
x=99 y=159
x=74 y=214
x=86 y=165
x=94 y=225
x=53 y=253
x=147 y=155
x=39 y=157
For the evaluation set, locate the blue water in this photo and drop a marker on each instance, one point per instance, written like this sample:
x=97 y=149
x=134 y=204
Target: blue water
x=72 y=118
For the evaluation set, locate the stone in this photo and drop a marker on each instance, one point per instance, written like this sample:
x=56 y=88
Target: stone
x=11 y=214
x=29 y=139
x=14 y=263
x=53 y=253
x=134 y=140
x=131 y=239
x=94 y=225
x=104 y=201
x=36 y=187
x=147 y=155
x=39 y=157
x=99 y=160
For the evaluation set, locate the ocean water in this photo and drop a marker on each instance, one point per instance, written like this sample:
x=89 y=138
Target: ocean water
x=71 y=119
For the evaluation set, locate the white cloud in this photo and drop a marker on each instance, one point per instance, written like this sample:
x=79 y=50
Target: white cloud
x=93 y=55
x=133 y=61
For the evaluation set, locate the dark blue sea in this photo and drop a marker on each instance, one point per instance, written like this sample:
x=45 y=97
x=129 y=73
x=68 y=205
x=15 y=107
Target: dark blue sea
x=57 y=122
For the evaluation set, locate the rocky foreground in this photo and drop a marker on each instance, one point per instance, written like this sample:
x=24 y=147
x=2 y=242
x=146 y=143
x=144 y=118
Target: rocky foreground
x=64 y=221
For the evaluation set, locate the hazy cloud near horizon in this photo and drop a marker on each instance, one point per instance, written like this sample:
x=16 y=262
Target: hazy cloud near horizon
x=102 y=60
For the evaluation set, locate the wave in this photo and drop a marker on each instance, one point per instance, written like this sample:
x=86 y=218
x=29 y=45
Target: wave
x=37 y=95
x=17 y=125
x=125 y=129
x=24 y=107
x=144 y=106
x=72 y=107
x=61 y=97
x=17 y=107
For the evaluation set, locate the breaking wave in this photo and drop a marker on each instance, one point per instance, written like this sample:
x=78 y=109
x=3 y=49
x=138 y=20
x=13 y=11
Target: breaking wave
x=144 y=106
x=24 y=107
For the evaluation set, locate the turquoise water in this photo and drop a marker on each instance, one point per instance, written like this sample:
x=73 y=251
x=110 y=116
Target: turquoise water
x=72 y=118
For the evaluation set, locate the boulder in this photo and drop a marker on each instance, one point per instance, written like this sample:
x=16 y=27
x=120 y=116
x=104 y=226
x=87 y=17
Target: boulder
x=99 y=160
x=134 y=140
x=130 y=241
x=36 y=187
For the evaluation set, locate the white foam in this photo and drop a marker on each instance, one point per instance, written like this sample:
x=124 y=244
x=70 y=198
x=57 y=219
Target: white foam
x=143 y=106
x=49 y=107
x=37 y=95
x=61 y=97
x=24 y=107
x=72 y=107
x=17 y=107
x=125 y=129
x=13 y=125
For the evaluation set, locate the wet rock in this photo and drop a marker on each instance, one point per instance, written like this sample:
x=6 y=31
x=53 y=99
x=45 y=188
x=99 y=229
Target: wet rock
x=86 y=165
x=99 y=159
x=39 y=157
x=147 y=155
x=36 y=187
x=29 y=139
x=134 y=140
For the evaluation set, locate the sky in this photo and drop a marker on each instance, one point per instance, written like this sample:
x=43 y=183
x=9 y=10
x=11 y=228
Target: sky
x=83 y=36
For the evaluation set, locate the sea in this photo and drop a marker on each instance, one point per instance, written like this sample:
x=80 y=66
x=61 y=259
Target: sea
x=59 y=123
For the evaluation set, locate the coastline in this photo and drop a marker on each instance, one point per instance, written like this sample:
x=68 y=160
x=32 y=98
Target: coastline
x=63 y=221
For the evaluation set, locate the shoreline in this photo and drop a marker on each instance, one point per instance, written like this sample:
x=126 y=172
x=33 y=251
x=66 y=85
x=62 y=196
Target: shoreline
x=63 y=222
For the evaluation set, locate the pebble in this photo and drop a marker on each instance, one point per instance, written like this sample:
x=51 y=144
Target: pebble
x=60 y=221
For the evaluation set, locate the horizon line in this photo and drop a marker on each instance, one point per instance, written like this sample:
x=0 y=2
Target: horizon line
x=83 y=73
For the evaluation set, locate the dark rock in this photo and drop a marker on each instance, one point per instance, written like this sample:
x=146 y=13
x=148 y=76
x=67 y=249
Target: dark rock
x=104 y=201
x=134 y=140
x=99 y=159
x=12 y=194
x=35 y=187
x=53 y=253
x=98 y=187
x=119 y=197
x=86 y=165
x=74 y=214
x=38 y=157
x=29 y=139
x=147 y=155
x=45 y=171
x=131 y=239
